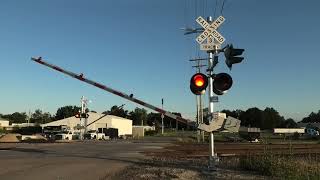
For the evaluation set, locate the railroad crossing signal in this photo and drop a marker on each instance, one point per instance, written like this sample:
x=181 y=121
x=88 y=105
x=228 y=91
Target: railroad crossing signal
x=221 y=83
x=198 y=83
x=210 y=30
x=77 y=115
x=82 y=115
x=232 y=55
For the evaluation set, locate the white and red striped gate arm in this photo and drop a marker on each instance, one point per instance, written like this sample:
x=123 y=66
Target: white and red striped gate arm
x=108 y=89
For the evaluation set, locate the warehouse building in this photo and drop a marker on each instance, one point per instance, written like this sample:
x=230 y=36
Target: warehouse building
x=123 y=125
x=4 y=123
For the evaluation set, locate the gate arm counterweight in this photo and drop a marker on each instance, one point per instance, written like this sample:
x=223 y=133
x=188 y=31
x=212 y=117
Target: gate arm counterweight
x=108 y=89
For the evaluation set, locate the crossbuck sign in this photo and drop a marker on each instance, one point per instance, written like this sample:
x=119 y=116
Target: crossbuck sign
x=210 y=31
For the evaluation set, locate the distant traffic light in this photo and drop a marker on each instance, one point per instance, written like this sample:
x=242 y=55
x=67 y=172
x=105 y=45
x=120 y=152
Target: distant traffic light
x=232 y=54
x=77 y=115
x=82 y=115
x=221 y=83
x=198 y=83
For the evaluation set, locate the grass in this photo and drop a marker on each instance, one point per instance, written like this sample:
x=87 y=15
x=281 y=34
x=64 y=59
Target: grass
x=283 y=166
x=173 y=133
x=2 y=131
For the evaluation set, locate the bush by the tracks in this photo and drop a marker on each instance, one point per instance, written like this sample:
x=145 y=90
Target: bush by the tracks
x=2 y=131
x=283 y=166
x=150 y=133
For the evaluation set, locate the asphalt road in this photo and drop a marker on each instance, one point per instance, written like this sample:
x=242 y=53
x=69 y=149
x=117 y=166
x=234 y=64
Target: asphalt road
x=78 y=160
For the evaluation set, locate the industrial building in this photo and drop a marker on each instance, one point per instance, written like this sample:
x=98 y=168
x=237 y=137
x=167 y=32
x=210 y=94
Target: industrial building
x=288 y=130
x=4 y=123
x=123 y=125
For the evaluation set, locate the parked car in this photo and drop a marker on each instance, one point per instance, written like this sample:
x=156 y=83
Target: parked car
x=70 y=135
x=93 y=134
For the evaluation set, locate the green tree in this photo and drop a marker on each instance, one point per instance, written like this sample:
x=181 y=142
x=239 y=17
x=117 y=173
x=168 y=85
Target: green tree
x=252 y=117
x=139 y=116
x=235 y=113
x=17 y=117
x=289 y=123
x=153 y=119
x=271 y=119
x=39 y=117
x=117 y=111
x=66 y=111
x=312 y=118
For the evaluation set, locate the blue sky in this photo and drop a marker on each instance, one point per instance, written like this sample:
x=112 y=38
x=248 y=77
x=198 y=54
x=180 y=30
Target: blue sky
x=136 y=46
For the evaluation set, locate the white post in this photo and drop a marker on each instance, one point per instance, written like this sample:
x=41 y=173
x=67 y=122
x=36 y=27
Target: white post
x=212 y=157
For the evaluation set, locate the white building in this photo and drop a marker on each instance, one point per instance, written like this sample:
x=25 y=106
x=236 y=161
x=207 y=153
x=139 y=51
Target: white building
x=288 y=130
x=4 y=123
x=22 y=124
x=123 y=125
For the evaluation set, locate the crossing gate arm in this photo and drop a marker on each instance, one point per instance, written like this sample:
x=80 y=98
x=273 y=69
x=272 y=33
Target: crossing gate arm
x=110 y=90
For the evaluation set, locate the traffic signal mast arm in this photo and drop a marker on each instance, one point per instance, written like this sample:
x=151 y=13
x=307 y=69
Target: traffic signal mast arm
x=108 y=89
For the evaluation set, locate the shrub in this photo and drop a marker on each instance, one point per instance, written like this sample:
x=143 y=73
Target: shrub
x=296 y=136
x=2 y=131
x=284 y=167
x=150 y=133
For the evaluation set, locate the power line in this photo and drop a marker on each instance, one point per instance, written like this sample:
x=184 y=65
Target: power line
x=221 y=12
x=215 y=9
x=206 y=7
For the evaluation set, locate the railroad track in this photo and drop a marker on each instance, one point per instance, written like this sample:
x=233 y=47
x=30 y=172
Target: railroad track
x=198 y=150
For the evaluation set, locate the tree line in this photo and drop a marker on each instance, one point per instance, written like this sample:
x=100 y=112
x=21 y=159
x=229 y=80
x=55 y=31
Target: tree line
x=268 y=118
x=139 y=116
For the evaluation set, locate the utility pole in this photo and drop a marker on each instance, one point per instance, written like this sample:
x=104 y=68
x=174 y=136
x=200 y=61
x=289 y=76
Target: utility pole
x=29 y=118
x=201 y=119
x=84 y=122
x=199 y=102
x=162 y=116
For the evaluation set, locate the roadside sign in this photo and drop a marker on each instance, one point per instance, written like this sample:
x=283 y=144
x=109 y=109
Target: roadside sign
x=209 y=47
x=210 y=30
x=162 y=116
x=214 y=99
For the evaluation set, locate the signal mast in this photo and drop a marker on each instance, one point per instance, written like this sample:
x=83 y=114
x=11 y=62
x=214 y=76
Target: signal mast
x=217 y=84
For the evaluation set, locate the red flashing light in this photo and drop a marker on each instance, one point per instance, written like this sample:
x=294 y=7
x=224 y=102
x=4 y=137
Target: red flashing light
x=198 y=83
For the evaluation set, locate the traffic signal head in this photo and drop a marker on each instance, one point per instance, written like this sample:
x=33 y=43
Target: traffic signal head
x=232 y=54
x=84 y=115
x=198 y=83
x=77 y=115
x=221 y=83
